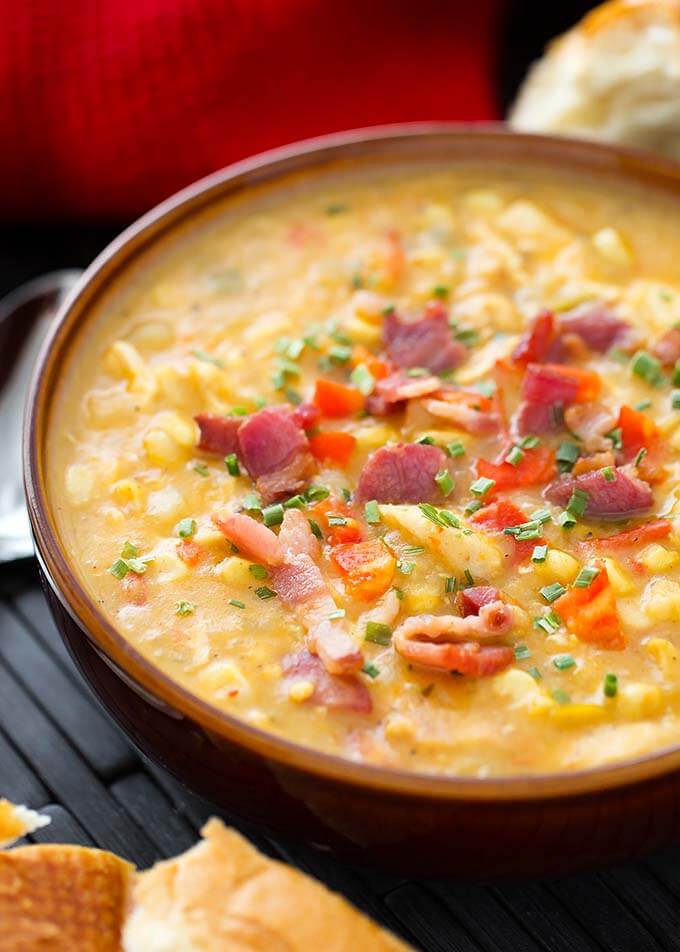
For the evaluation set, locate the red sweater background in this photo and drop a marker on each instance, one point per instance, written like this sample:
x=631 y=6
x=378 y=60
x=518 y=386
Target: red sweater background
x=108 y=106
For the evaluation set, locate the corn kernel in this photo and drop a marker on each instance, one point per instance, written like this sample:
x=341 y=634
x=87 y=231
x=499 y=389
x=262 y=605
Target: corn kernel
x=657 y=559
x=517 y=687
x=126 y=491
x=80 y=483
x=175 y=385
x=373 y=437
x=576 y=715
x=369 y=306
x=638 y=701
x=362 y=331
x=661 y=600
x=168 y=567
x=235 y=571
x=618 y=577
x=664 y=653
x=222 y=675
x=113 y=515
x=161 y=448
x=181 y=428
x=399 y=727
x=558 y=567
x=609 y=243
x=420 y=599
x=301 y=691
x=124 y=360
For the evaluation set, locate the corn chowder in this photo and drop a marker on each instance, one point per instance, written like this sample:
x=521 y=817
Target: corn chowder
x=388 y=466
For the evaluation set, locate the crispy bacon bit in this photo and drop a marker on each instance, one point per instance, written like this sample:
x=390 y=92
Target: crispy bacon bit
x=622 y=497
x=392 y=392
x=366 y=568
x=402 y=474
x=598 y=326
x=296 y=536
x=466 y=409
x=252 y=539
x=667 y=348
x=586 y=464
x=537 y=418
x=536 y=467
x=347 y=693
x=500 y=515
x=474 y=598
x=591 y=613
x=439 y=641
x=640 y=535
x=589 y=422
x=426 y=342
x=535 y=344
x=557 y=383
x=218 y=434
x=306 y=415
x=275 y=452
x=290 y=479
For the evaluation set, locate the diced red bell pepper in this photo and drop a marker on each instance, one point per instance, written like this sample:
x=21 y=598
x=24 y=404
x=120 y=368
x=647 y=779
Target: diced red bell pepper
x=500 y=515
x=537 y=341
x=367 y=568
x=337 y=400
x=641 y=535
x=536 y=467
x=591 y=613
x=639 y=432
x=190 y=552
x=350 y=531
x=333 y=446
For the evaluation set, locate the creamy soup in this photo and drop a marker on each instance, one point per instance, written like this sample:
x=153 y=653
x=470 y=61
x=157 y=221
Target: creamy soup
x=386 y=464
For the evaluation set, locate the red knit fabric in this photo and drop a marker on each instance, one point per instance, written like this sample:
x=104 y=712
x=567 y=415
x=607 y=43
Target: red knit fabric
x=108 y=106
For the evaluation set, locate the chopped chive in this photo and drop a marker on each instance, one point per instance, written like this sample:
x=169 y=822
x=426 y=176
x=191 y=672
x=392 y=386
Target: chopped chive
x=186 y=528
x=336 y=613
x=535 y=673
x=566 y=520
x=201 y=469
x=469 y=581
x=549 y=623
x=473 y=506
x=314 y=526
x=264 y=593
x=414 y=549
x=610 y=685
x=522 y=652
x=450 y=585
x=295 y=348
x=372 y=512
x=399 y=592
x=525 y=530
x=188 y=608
x=237 y=603
x=339 y=336
x=238 y=411
x=644 y=404
x=441 y=291
x=405 y=567
x=119 y=569
x=232 y=464
x=467 y=336
x=530 y=442
x=346 y=494
x=336 y=519
x=340 y=355
x=486 y=387
x=561 y=696
x=336 y=208
x=455 y=448
x=482 y=485
x=139 y=566
x=449 y=519
x=540 y=553
x=578 y=503
x=647 y=367
x=295 y=502
x=616 y=437
x=563 y=662
x=641 y=453
x=207 y=358
x=515 y=456
x=378 y=633
x=362 y=378
x=273 y=515
x=372 y=670
x=425 y=441
x=552 y=592
x=388 y=311
x=444 y=481
x=129 y=550
x=292 y=396
x=251 y=502
x=541 y=515
x=258 y=571
x=587 y=575
x=417 y=372
x=675 y=400
x=676 y=374
x=316 y=493
x=608 y=473
x=566 y=455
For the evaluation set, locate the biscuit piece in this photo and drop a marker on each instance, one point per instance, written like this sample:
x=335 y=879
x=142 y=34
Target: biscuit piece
x=17 y=821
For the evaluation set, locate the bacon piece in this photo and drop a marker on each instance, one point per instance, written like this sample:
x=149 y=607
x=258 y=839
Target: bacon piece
x=474 y=598
x=536 y=342
x=591 y=613
x=218 y=434
x=440 y=641
x=537 y=418
x=347 y=693
x=584 y=464
x=296 y=536
x=384 y=612
x=468 y=410
x=426 y=342
x=468 y=658
x=623 y=497
x=252 y=539
x=402 y=474
x=589 y=422
x=306 y=415
x=500 y=515
x=392 y=392
x=275 y=452
x=557 y=383
x=642 y=534
x=493 y=619
x=667 y=348
x=598 y=326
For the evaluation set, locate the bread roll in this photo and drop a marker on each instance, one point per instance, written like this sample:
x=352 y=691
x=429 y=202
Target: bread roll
x=224 y=895
x=615 y=77
x=17 y=821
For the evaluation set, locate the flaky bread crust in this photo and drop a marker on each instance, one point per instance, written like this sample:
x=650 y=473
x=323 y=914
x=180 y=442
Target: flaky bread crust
x=17 y=821
x=223 y=894
x=615 y=76
x=57 y=898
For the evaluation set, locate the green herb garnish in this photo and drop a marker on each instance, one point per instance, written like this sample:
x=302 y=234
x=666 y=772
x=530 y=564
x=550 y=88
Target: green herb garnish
x=378 y=633
x=186 y=528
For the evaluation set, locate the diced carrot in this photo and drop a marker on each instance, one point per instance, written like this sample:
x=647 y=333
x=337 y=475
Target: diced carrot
x=591 y=613
x=367 y=568
x=500 y=515
x=190 y=552
x=333 y=445
x=349 y=531
x=639 y=432
x=536 y=467
x=337 y=399
x=640 y=535
x=378 y=367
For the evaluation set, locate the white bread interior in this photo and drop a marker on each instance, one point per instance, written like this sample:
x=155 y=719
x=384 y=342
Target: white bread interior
x=614 y=77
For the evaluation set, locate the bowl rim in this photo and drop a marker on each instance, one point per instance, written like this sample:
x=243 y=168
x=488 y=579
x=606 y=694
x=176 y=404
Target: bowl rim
x=274 y=166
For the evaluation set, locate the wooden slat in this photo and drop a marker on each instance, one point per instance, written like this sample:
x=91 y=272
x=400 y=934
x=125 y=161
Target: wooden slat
x=433 y=926
x=31 y=606
x=64 y=828
x=148 y=806
x=67 y=775
x=83 y=721
x=643 y=894
x=545 y=917
x=18 y=782
x=485 y=918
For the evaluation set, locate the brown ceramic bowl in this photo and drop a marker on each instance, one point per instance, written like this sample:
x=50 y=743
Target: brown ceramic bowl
x=419 y=823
